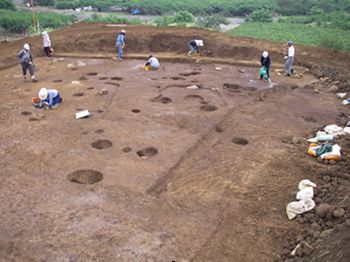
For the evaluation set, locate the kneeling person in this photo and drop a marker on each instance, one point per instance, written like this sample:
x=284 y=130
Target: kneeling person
x=152 y=64
x=50 y=97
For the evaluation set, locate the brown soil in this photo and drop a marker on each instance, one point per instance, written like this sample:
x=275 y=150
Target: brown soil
x=192 y=174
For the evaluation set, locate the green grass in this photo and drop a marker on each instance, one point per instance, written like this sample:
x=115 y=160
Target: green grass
x=111 y=19
x=18 y=22
x=312 y=35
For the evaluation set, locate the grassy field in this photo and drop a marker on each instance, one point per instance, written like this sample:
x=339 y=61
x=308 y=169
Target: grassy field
x=312 y=35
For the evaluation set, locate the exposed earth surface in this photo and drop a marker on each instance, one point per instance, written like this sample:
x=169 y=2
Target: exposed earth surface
x=194 y=162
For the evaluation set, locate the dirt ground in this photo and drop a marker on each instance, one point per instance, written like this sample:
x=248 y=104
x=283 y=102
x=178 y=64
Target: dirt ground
x=169 y=173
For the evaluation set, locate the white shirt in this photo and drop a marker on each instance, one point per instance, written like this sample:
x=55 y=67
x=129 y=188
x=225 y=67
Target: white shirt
x=46 y=41
x=291 y=51
x=154 y=62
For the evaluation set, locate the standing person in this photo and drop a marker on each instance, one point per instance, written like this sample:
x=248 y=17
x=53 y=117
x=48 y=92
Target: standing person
x=120 y=43
x=289 y=58
x=47 y=44
x=194 y=45
x=26 y=60
x=266 y=62
x=152 y=64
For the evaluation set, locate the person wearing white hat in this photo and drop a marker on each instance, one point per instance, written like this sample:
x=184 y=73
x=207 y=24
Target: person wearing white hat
x=49 y=97
x=289 y=58
x=194 y=45
x=47 y=44
x=26 y=59
x=120 y=44
x=266 y=62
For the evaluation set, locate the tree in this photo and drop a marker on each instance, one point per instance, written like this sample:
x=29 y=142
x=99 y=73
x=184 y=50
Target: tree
x=7 y=4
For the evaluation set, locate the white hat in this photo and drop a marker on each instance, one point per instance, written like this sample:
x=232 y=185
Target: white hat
x=199 y=42
x=26 y=46
x=43 y=93
x=44 y=33
x=265 y=54
x=123 y=31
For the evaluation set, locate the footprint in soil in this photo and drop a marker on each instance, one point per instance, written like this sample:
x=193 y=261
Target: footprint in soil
x=194 y=98
x=102 y=144
x=208 y=108
x=92 y=74
x=33 y=119
x=57 y=81
x=26 y=113
x=147 y=153
x=240 y=141
x=117 y=78
x=111 y=83
x=85 y=176
x=99 y=131
x=103 y=78
x=177 y=78
x=161 y=99
x=78 y=94
x=232 y=88
x=126 y=149
x=190 y=74
x=219 y=129
x=310 y=119
x=136 y=111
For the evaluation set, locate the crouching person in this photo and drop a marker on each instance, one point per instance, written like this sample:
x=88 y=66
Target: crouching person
x=26 y=59
x=194 y=45
x=152 y=64
x=50 y=98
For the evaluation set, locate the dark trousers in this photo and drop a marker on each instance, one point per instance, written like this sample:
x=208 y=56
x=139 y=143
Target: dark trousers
x=28 y=66
x=56 y=100
x=268 y=71
x=47 y=51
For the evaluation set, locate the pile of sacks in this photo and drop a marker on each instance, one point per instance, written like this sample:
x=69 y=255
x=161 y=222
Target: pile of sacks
x=305 y=197
x=327 y=151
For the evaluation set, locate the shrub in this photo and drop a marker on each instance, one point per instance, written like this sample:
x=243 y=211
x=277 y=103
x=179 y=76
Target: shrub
x=183 y=17
x=7 y=4
x=261 y=15
x=45 y=2
x=211 y=22
x=162 y=21
x=66 y=5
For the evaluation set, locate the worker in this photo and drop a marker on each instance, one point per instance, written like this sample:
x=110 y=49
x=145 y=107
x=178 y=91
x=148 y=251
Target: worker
x=266 y=63
x=120 y=43
x=26 y=59
x=152 y=64
x=49 y=97
x=47 y=44
x=289 y=58
x=194 y=45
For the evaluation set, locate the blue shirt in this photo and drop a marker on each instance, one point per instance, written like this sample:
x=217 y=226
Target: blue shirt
x=51 y=94
x=120 y=39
